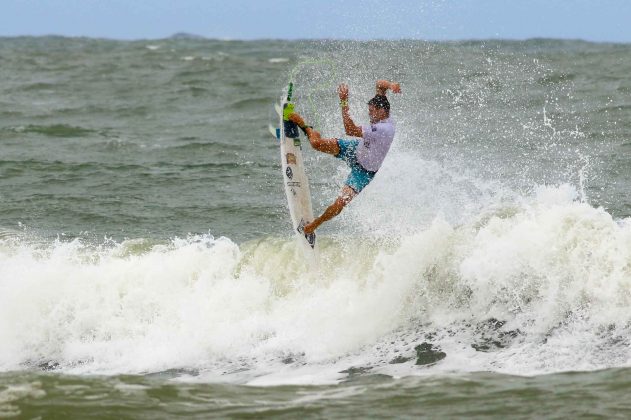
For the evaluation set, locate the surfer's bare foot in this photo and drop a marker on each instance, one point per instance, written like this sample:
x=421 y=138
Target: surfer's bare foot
x=309 y=228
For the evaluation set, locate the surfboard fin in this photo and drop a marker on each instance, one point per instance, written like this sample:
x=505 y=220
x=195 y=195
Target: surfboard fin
x=274 y=131
x=311 y=239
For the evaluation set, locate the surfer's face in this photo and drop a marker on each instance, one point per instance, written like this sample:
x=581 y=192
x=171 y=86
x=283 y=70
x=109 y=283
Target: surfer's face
x=376 y=114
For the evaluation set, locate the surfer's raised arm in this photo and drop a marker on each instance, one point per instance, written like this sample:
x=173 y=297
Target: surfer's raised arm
x=349 y=126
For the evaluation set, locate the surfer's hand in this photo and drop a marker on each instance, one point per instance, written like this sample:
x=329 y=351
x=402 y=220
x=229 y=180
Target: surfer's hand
x=384 y=85
x=297 y=119
x=342 y=91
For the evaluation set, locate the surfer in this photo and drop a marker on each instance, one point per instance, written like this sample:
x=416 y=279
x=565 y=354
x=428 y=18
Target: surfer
x=365 y=155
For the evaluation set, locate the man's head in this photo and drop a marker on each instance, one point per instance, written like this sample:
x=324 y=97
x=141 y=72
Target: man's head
x=378 y=108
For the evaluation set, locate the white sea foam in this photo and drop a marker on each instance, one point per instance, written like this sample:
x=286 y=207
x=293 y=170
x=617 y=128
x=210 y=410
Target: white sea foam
x=541 y=286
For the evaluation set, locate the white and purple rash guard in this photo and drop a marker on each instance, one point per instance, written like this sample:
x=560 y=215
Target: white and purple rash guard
x=376 y=141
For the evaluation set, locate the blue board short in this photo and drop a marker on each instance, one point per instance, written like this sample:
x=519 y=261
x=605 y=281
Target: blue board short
x=359 y=177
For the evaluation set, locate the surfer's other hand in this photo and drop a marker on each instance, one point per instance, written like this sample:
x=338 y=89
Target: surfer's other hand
x=297 y=119
x=342 y=91
x=384 y=85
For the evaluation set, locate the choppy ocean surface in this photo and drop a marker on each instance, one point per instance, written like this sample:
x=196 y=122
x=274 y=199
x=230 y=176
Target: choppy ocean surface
x=147 y=263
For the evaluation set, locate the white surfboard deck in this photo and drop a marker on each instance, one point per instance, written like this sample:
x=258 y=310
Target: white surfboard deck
x=295 y=180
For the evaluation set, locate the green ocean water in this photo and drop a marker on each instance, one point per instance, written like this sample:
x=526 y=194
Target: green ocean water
x=147 y=263
x=577 y=395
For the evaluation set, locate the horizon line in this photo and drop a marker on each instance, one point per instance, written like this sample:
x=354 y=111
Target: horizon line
x=191 y=36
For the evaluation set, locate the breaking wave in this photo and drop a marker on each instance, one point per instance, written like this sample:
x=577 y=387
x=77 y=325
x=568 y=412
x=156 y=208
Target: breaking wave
x=541 y=285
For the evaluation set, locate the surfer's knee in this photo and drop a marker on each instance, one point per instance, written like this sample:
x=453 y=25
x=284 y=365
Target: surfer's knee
x=348 y=193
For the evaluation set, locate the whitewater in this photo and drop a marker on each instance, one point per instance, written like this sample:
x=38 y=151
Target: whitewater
x=538 y=287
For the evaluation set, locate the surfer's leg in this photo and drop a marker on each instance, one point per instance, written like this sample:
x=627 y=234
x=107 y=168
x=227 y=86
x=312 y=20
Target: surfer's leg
x=357 y=180
x=329 y=146
x=333 y=210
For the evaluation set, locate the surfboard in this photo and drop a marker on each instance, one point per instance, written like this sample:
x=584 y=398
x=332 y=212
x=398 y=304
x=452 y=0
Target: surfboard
x=293 y=170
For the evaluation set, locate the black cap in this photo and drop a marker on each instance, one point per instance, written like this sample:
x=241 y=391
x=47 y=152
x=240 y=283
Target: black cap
x=380 y=101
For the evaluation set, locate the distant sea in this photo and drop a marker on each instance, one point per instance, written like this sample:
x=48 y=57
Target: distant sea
x=147 y=263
